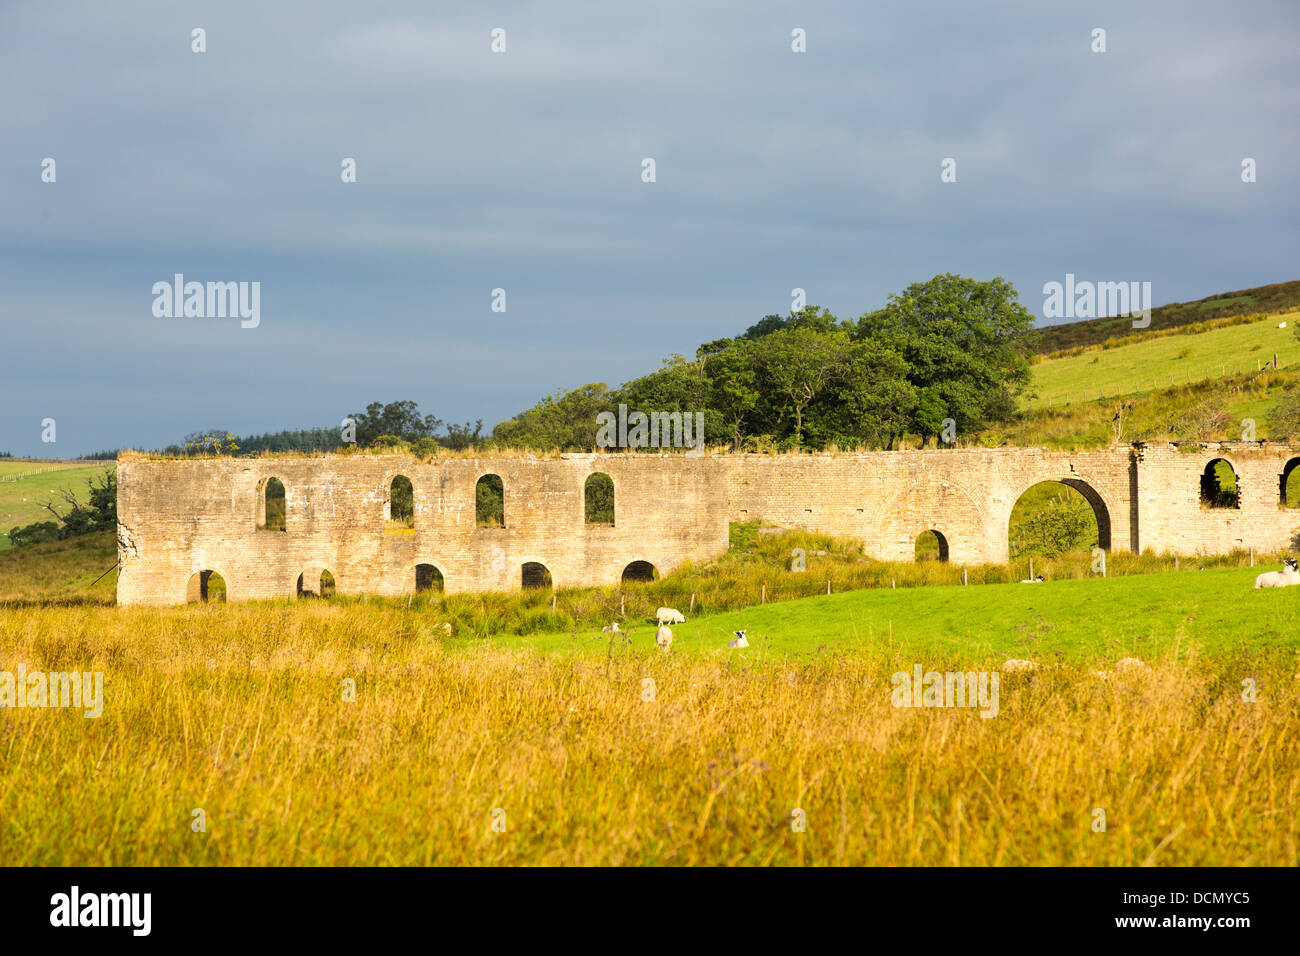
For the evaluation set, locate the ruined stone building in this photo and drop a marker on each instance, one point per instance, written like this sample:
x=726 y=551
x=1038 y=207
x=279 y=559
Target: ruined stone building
x=182 y=520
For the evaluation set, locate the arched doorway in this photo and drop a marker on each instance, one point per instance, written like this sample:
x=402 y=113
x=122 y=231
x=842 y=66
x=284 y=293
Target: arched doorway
x=1056 y=517
x=931 y=546
x=639 y=572
x=205 y=587
x=428 y=578
x=535 y=575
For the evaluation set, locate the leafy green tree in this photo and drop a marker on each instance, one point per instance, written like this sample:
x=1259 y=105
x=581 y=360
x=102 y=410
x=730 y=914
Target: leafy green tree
x=460 y=437
x=964 y=341
x=565 y=420
x=402 y=419
x=733 y=387
x=868 y=402
x=797 y=364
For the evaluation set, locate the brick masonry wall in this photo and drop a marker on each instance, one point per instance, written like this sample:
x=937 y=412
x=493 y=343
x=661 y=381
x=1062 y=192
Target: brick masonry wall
x=886 y=499
x=178 y=517
x=1172 y=516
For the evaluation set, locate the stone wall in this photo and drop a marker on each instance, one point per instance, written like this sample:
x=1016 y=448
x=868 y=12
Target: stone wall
x=180 y=517
x=177 y=518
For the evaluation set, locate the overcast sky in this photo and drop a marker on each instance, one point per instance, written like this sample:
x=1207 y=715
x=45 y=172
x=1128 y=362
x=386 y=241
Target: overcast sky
x=522 y=170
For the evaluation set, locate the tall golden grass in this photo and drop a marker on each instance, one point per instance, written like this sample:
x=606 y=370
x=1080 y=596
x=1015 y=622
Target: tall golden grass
x=239 y=711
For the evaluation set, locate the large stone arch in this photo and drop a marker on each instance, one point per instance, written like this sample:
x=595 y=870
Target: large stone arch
x=1089 y=492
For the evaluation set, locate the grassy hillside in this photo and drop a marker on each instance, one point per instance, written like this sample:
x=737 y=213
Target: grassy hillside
x=1155 y=362
x=1279 y=297
x=25 y=487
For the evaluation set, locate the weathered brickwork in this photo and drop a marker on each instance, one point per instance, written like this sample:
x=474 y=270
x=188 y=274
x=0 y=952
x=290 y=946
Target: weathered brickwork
x=181 y=517
x=178 y=517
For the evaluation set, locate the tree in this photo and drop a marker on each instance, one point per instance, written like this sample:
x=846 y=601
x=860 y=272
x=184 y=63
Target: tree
x=99 y=513
x=797 y=364
x=460 y=437
x=964 y=341
x=868 y=401
x=733 y=386
x=565 y=420
x=400 y=419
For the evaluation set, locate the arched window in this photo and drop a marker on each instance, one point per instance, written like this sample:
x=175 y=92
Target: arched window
x=490 y=502
x=427 y=578
x=639 y=572
x=536 y=575
x=271 y=506
x=1219 y=485
x=1289 y=493
x=206 y=586
x=598 y=496
x=401 y=502
x=931 y=546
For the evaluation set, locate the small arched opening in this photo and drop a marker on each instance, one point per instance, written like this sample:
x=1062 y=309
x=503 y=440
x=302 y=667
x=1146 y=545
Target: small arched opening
x=931 y=546
x=428 y=578
x=205 y=587
x=535 y=575
x=1219 y=487
x=639 y=572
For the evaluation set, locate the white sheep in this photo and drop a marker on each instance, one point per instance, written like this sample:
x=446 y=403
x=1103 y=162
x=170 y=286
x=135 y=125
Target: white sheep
x=611 y=629
x=1038 y=580
x=1288 y=576
x=670 y=615
x=738 y=640
x=664 y=638
x=1017 y=664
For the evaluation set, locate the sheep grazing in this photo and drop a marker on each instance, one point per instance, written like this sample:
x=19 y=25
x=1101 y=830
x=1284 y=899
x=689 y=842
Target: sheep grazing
x=664 y=638
x=1289 y=575
x=670 y=615
x=611 y=629
x=1038 y=580
x=738 y=640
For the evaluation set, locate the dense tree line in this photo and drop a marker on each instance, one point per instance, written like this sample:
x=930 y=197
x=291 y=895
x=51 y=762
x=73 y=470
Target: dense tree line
x=952 y=348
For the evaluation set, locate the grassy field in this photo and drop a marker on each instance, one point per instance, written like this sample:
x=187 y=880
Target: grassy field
x=337 y=732
x=25 y=487
x=1162 y=361
x=355 y=731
